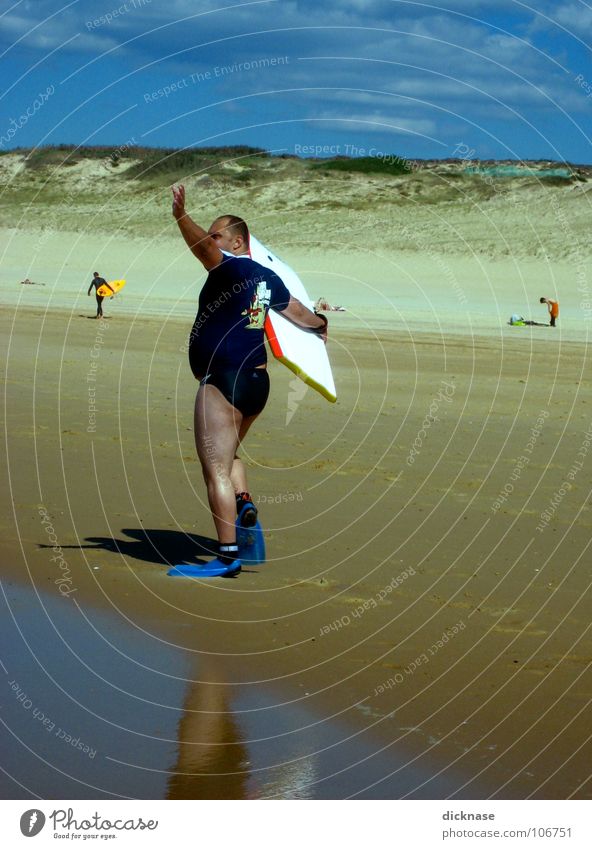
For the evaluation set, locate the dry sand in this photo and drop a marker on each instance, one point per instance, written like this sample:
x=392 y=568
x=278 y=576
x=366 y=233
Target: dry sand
x=422 y=626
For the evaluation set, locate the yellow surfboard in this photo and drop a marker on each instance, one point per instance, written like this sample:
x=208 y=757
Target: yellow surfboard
x=105 y=291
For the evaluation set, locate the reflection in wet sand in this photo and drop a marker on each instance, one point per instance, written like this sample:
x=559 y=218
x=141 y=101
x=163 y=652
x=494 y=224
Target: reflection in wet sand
x=215 y=759
x=212 y=760
x=294 y=780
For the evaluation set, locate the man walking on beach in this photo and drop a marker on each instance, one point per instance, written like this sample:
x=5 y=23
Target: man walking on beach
x=227 y=355
x=97 y=282
x=553 y=310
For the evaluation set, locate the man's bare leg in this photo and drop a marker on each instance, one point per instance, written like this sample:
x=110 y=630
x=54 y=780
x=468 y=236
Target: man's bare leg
x=217 y=427
x=238 y=474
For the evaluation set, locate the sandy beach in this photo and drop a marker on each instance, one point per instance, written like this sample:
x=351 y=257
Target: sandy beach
x=422 y=626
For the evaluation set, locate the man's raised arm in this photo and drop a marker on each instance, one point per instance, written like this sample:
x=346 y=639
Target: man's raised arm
x=199 y=241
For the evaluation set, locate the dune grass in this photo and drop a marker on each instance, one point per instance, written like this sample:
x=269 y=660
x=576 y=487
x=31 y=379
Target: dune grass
x=392 y=165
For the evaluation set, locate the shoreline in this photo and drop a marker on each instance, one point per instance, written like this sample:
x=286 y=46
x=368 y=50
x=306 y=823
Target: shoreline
x=373 y=326
x=423 y=288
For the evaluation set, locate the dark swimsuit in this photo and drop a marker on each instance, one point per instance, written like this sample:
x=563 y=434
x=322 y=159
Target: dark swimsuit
x=227 y=345
x=247 y=389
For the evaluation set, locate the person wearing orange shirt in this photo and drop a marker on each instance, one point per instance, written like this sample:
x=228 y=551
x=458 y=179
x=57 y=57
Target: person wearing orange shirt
x=553 y=310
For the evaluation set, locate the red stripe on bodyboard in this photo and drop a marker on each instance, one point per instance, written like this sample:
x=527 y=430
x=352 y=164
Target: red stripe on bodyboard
x=274 y=344
x=276 y=348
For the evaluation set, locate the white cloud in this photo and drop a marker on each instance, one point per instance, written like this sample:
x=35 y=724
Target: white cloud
x=54 y=33
x=378 y=122
x=576 y=18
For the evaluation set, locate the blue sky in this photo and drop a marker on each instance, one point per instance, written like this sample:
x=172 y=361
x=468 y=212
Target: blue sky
x=458 y=78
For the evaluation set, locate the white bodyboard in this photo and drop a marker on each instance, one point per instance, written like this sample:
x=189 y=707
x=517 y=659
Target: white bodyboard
x=302 y=352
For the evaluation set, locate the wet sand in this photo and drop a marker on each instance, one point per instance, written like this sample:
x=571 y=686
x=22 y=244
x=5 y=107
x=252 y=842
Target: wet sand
x=413 y=634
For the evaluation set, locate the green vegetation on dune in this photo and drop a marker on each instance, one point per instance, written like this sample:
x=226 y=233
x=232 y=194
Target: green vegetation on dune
x=170 y=164
x=242 y=163
x=62 y=155
x=388 y=164
x=148 y=162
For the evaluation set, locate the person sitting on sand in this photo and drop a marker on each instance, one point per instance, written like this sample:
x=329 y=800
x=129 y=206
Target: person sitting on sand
x=519 y=321
x=553 y=309
x=323 y=304
x=227 y=356
x=97 y=282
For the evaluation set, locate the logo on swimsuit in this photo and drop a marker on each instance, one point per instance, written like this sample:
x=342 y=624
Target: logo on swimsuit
x=258 y=306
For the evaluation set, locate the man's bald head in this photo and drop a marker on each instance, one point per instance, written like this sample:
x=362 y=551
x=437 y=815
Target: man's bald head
x=230 y=234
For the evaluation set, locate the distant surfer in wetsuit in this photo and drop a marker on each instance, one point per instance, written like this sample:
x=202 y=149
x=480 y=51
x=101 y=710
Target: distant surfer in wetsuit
x=227 y=355
x=97 y=282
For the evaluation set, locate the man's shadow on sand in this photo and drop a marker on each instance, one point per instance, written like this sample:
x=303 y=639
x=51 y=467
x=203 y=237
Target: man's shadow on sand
x=153 y=545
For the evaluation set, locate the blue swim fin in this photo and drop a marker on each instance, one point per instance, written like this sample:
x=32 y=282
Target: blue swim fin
x=251 y=544
x=215 y=569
